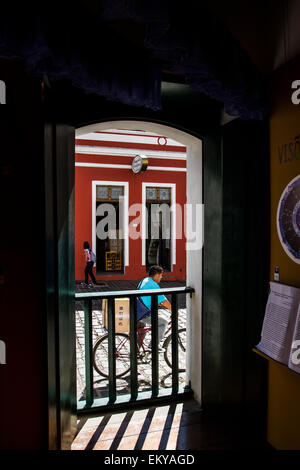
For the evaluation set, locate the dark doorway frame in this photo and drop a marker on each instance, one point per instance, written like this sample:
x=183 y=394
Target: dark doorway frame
x=69 y=109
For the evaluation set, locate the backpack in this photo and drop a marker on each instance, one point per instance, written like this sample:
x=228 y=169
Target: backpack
x=142 y=310
x=93 y=256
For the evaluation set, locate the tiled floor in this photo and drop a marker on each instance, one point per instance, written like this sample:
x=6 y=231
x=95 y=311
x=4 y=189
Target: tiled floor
x=179 y=426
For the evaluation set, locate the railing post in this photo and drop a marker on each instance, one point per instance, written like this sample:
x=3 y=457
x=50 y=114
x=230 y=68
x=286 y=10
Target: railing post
x=111 y=349
x=133 y=349
x=154 y=342
x=174 y=333
x=88 y=341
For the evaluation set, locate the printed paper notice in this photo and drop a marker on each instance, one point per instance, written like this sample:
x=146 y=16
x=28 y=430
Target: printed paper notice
x=279 y=326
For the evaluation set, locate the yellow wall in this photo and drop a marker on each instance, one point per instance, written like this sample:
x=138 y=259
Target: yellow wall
x=283 y=407
x=284 y=385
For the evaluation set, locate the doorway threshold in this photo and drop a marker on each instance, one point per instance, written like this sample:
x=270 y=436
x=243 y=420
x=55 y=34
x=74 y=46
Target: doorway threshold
x=125 y=401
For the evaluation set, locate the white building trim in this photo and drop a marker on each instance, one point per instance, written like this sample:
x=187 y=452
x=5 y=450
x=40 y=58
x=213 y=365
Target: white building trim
x=110 y=165
x=125 y=214
x=122 y=137
x=166 y=168
x=125 y=152
x=173 y=219
x=101 y=165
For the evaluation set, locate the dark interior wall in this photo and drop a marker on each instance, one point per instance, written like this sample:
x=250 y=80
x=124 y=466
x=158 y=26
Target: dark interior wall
x=23 y=390
x=212 y=269
x=64 y=183
x=37 y=394
x=252 y=140
x=236 y=254
x=59 y=141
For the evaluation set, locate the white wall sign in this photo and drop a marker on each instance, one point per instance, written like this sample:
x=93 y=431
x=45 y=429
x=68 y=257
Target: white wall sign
x=2 y=92
x=2 y=352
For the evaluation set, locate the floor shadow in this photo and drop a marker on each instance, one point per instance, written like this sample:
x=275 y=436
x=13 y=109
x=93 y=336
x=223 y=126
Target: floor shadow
x=176 y=426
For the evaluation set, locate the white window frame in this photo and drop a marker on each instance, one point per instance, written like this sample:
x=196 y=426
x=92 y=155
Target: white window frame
x=125 y=184
x=173 y=219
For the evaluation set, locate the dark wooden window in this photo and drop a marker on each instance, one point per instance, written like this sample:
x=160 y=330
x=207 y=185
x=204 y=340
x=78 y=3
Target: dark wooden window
x=158 y=242
x=110 y=251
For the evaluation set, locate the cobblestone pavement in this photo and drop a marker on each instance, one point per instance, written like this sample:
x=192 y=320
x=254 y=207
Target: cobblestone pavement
x=103 y=286
x=144 y=365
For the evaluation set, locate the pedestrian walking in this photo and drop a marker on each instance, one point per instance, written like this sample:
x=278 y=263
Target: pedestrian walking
x=90 y=259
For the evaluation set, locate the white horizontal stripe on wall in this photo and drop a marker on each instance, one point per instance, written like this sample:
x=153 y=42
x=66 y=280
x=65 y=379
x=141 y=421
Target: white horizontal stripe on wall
x=128 y=131
x=124 y=152
x=166 y=168
x=108 y=165
x=147 y=139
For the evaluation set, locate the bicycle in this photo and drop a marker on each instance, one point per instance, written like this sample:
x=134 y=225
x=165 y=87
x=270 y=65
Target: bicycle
x=122 y=349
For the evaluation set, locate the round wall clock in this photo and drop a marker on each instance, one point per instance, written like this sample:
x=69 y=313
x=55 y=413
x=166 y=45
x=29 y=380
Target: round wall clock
x=139 y=164
x=288 y=219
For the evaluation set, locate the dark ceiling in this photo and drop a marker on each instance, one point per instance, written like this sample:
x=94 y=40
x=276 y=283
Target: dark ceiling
x=269 y=30
x=118 y=49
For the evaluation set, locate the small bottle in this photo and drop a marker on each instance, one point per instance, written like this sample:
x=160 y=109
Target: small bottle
x=276 y=273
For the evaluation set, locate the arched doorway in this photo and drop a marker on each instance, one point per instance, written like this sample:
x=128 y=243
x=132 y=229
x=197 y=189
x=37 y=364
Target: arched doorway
x=193 y=246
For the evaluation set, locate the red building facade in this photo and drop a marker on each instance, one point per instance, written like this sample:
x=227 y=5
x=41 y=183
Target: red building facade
x=148 y=208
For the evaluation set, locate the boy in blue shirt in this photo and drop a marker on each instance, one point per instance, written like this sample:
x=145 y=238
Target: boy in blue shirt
x=152 y=282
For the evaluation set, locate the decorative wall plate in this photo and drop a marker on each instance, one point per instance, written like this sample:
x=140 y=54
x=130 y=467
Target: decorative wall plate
x=288 y=219
x=139 y=164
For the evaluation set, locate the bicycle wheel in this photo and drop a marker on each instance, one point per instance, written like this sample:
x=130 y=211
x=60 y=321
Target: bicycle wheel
x=100 y=355
x=181 y=350
x=146 y=342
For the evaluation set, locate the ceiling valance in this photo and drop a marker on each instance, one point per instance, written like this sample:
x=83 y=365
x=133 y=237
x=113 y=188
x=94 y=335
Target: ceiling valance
x=120 y=49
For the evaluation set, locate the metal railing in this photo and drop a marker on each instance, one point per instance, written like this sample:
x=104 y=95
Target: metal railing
x=87 y=298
